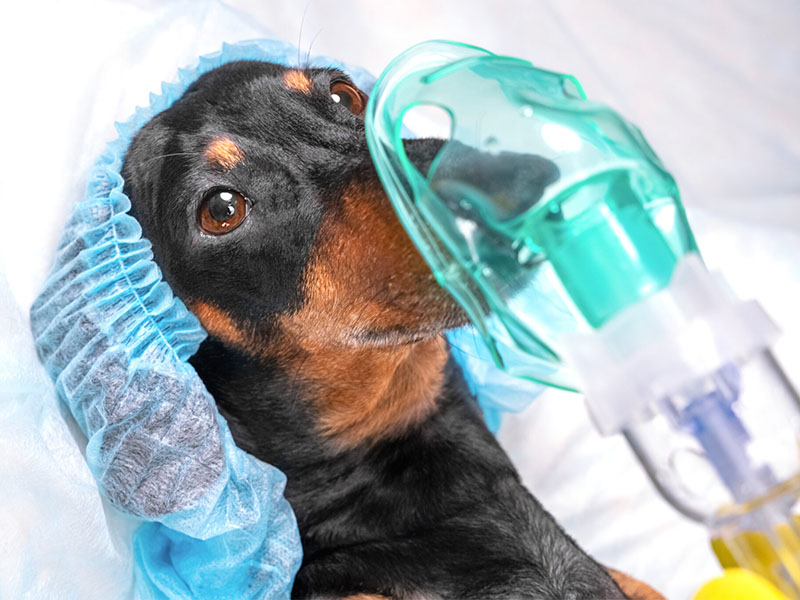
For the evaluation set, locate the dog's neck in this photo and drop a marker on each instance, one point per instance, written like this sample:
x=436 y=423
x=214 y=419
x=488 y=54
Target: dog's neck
x=365 y=393
x=337 y=397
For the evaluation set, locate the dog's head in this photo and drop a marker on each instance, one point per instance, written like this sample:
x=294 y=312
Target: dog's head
x=257 y=190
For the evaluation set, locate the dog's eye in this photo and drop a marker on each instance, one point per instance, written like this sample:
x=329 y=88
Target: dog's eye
x=348 y=96
x=222 y=211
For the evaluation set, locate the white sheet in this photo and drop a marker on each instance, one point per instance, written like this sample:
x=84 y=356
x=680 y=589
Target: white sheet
x=713 y=85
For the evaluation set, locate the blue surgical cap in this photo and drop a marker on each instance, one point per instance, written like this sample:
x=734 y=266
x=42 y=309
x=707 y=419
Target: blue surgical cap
x=116 y=342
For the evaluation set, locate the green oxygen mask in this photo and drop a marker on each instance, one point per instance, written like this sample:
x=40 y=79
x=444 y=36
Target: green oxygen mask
x=542 y=213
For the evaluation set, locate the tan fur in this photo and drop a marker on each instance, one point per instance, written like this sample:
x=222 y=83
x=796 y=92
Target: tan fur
x=365 y=394
x=224 y=153
x=634 y=588
x=362 y=266
x=364 y=274
x=218 y=324
x=298 y=81
x=361 y=394
x=366 y=597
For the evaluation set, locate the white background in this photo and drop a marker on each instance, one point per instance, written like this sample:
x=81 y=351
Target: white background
x=714 y=85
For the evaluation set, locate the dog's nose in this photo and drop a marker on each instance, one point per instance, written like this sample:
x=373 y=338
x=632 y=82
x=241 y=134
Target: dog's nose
x=512 y=182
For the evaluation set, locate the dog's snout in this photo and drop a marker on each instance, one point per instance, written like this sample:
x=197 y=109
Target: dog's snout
x=514 y=181
x=421 y=152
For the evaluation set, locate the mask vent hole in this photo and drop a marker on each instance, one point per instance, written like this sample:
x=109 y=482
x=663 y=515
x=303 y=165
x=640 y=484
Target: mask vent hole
x=427 y=121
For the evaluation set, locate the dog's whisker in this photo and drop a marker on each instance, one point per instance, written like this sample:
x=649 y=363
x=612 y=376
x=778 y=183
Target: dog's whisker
x=366 y=304
x=311 y=45
x=300 y=35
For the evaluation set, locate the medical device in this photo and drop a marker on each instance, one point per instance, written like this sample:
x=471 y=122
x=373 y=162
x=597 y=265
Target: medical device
x=562 y=235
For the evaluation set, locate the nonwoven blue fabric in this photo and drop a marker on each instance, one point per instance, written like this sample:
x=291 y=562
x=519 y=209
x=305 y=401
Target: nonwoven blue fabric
x=116 y=343
x=497 y=392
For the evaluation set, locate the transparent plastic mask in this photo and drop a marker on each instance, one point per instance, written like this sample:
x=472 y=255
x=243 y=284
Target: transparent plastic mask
x=542 y=213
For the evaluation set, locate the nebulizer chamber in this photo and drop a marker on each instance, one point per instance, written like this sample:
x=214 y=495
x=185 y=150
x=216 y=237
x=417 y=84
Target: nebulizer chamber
x=562 y=235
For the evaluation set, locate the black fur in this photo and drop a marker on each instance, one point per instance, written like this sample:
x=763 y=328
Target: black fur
x=439 y=511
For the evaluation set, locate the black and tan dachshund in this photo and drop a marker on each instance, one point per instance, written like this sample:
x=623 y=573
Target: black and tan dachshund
x=326 y=351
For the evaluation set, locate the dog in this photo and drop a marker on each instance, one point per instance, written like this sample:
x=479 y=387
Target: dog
x=326 y=352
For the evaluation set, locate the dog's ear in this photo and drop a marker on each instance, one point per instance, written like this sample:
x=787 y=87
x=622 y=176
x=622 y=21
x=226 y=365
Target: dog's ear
x=141 y=179
x=633 y=588
x=146 y=168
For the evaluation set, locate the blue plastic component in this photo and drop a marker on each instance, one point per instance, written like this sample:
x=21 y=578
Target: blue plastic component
x=711 y=418
x=116 y=342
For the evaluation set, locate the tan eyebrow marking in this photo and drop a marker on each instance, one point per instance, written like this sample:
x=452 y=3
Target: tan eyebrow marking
x=298 y=81
x=224 y=152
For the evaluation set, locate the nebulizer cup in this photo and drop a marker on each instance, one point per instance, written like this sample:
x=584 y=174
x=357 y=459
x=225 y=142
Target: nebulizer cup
x=562 y=235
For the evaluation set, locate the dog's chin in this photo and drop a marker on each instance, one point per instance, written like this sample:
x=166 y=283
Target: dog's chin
x=401 y=335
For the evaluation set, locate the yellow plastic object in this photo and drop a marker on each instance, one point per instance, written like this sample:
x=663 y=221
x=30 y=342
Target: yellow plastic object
x=772 y=555
x=738 y=584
